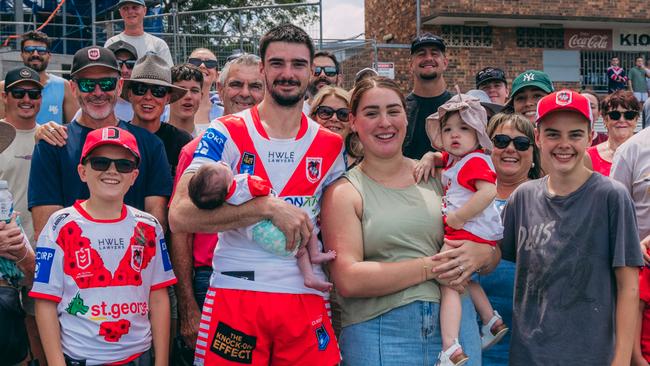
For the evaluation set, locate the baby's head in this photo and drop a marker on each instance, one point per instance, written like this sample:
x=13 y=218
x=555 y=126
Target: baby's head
x=459 y=126
x=209 y=186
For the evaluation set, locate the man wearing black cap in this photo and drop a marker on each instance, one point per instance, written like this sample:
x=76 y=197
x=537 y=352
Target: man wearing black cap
x=133 y=12
x=54 y=182
x=493 y=82
x=126 y=56
x=22 y=98
x=57 y=102
x=428 y=63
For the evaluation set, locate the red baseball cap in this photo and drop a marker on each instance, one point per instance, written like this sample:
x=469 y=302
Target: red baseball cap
x=110 y=136
x=564 y=100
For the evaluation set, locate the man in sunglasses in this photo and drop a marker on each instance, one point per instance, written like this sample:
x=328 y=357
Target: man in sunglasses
x=54 y=182
x=22 y=99
x=149 y=90
x=126 y=56
x=327 y=71
x=57 y=104
x=133 y=12
x=428 y=64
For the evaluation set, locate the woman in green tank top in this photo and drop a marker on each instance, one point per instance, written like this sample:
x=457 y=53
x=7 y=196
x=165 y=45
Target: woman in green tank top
x=386 y=229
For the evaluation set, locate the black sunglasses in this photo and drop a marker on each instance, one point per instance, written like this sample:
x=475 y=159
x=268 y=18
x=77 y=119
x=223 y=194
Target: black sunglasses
x=101 y=164
x=19 y=93
x=329 y=70
x=325 y=113
x=140 y=89
x=129 y=63
x=88 y=85
x=521 y=143
x=616 y=115
x=210 y=64
x=40 y=49
x=492 y=73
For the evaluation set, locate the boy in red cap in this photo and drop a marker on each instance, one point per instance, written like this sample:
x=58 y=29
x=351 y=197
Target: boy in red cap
x=102 y=267
x=573 y=236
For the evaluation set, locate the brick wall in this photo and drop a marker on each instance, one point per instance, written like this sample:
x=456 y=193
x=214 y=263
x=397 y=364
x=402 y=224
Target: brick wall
x=624 y=9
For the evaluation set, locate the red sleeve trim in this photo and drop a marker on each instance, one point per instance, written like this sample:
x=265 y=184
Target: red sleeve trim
x=42 y=296
x=164 y=284
x=473 y=170
x=258 y=187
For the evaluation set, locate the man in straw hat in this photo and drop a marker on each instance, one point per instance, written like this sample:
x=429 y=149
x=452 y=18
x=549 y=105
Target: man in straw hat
x=149 y=90
x=54 y=182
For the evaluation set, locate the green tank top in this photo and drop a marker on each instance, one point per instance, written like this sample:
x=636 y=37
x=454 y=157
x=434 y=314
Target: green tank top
x=397 y=224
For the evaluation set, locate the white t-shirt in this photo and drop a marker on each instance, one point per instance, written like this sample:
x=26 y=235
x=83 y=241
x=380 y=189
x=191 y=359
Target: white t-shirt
x=15 y=163
x=298 y=169
x=143 y=44
x=100 y=274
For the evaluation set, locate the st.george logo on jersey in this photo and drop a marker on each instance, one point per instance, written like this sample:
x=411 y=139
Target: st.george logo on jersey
x=314 y=167
x=137 y=253
x=83 y=258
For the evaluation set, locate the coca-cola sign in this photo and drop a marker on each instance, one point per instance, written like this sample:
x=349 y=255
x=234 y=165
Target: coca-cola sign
x=588 y=39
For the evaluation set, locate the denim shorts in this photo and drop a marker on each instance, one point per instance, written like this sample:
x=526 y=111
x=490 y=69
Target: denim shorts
x=407 y=335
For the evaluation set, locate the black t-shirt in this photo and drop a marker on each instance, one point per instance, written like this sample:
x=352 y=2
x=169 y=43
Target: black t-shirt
x=418 y=109
x=174 y=140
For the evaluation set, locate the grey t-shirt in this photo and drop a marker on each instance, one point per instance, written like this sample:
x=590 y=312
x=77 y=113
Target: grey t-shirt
x=566 y=249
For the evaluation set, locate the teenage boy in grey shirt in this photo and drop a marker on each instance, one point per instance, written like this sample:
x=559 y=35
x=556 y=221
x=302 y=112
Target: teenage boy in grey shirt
x=573 y=235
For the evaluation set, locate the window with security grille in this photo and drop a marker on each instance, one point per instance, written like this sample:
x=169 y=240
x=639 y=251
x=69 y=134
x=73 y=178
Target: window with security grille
x=467 y=36
x=540 y=38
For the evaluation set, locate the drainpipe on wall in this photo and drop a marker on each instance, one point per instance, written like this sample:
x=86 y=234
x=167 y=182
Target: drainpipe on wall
x=417 y=18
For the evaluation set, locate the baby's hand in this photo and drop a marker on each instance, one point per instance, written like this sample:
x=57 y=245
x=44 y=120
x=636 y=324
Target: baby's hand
x=455 y=221
x=425 y=167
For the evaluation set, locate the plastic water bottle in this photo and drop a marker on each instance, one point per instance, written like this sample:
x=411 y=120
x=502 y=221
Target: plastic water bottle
x=8 y=269
x=6 y=202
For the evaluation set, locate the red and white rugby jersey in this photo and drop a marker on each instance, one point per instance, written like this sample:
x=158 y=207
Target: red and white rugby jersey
x=100 y=274
x=298 y=170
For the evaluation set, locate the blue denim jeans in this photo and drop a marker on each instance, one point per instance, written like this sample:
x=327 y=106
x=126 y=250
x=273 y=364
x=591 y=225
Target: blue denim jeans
x=201 y=284
x=499 y=286
x=408 y=335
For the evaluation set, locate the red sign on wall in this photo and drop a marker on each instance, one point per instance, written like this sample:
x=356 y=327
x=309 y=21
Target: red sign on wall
x=588 y=39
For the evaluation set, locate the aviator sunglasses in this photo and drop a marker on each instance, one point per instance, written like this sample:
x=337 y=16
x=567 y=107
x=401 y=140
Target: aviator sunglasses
x=210 y=64
x=329 y=70
x=101 y=164
x=140 y=89
x=42 y=50
x=521 y=143
x=325 y=113
x=616 y=115
x=19 y=93
x=88 y=85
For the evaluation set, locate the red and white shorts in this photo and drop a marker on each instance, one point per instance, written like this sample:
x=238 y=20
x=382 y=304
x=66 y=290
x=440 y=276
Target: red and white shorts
x=263 y=328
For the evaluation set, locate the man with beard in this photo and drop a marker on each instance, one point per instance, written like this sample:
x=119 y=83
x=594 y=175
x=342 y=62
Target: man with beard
x=327 y=71
x=428 y=63
x=54 y=182
x=58 y=103
x=241 y=87
x=254 y=295
x=133 y=12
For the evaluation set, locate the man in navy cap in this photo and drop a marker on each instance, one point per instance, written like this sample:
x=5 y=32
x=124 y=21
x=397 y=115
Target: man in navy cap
x=428 y=64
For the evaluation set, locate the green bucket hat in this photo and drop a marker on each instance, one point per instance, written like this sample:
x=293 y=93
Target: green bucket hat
x=532 y=78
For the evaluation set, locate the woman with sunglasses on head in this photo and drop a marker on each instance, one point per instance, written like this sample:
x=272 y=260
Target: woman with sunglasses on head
x=330 y=109
x=516 y=160
x=210 y=107
x=620 y=113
